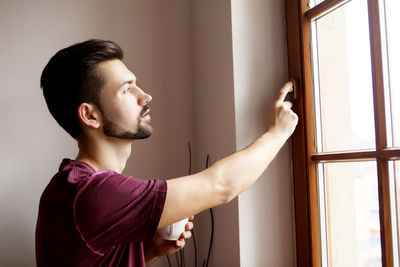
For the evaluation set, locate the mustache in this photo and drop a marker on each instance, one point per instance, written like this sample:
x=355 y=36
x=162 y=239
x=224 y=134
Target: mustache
x=145 y=108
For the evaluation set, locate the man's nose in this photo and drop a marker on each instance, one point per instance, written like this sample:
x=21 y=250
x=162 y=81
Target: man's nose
x=144 y=99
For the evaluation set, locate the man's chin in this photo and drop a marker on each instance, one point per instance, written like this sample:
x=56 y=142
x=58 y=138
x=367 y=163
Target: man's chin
x=143 y=133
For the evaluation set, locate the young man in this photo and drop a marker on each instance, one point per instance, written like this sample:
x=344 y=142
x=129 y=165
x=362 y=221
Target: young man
x=92 y=215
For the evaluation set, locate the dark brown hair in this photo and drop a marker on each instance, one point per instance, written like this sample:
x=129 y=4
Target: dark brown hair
x=71 y=78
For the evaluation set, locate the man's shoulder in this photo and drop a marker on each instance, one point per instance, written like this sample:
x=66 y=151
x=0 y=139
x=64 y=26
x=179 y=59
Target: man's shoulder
x=74 y=171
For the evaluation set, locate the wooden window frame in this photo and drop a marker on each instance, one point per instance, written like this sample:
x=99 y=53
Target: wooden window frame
x=305 y=157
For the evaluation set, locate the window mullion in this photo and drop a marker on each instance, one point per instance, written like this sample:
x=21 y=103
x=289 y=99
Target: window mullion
x=377 y=74
x=380 y=132
x=372 y=154
x=385 y=213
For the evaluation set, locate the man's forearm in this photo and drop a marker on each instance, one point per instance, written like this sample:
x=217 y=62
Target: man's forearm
x=241 y=169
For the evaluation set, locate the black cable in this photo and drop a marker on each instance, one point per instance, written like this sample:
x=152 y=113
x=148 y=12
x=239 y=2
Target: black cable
x=212 y=226
x=169 y=261
x=182 y=258
x=212 y=237
x=193 y=235
x=177 y=259
x=195 y=248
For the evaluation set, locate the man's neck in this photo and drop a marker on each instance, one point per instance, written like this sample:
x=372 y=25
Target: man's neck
x=104 y=154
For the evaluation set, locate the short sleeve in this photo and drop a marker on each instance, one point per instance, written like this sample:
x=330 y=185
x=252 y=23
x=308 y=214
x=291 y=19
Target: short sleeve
x=113 y=209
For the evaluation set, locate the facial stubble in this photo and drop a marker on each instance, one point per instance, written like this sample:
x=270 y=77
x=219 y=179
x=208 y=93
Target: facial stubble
x=113 y=130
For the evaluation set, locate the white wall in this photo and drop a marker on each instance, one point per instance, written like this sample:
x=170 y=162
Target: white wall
x=156 y=38
x=239 y=64
x=260 y=69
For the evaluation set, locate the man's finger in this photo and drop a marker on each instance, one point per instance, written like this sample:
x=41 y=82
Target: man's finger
x=186 y=234
x=189 y=226
x=180 y=243
x=288 y=104
x=288 y=87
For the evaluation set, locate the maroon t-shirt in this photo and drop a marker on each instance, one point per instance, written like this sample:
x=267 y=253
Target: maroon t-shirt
x=88 y=218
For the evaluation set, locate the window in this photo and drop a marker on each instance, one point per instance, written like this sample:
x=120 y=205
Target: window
x=346 y=149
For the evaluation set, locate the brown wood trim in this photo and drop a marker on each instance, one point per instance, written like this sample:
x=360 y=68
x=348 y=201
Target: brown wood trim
x=377 y=74
x=387 y=154
x=390 y=154
x=323 y=8
x=385 y=213
x=309 y=115
x=345 y=156
x=380 y=133
x=300 y=172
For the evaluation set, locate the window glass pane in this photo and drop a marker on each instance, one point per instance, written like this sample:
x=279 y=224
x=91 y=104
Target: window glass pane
x=392 y=9
x=342 y=79
x=351 y=229
x=313 y=3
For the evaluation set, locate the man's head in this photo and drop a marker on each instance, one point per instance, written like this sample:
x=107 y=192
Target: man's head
x=86 y=86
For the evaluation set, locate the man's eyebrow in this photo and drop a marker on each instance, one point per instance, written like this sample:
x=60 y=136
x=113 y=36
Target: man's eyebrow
x=130 y=81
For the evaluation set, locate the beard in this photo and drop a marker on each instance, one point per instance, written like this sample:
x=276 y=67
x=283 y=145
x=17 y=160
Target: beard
x=111 y=129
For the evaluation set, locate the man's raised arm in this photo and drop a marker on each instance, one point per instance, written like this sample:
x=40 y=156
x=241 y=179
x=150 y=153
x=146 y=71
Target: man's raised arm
x=230 y=176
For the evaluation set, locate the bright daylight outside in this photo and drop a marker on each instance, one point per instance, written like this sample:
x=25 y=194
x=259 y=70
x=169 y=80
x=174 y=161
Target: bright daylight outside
x=344 y=113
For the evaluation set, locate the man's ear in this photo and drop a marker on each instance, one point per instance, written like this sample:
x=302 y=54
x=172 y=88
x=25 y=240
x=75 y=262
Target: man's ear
x=89 y=115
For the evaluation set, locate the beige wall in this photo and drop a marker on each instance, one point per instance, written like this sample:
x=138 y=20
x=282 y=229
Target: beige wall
x=212 y=66
x=214 y=116
x=156 y=38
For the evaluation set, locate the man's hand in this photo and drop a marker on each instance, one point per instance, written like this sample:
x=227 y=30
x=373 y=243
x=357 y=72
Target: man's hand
x=160 y=247
x=280 y=117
